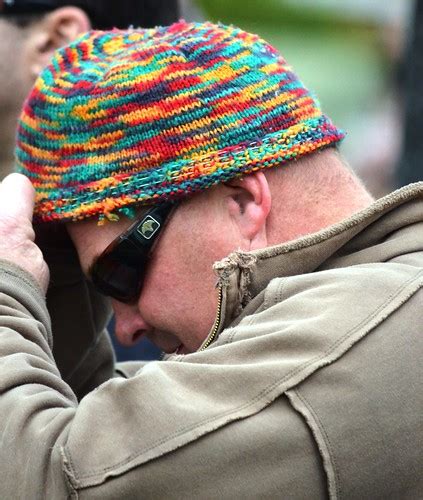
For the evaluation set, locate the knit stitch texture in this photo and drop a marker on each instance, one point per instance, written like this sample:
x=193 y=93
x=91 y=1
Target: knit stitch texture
x=142 y=116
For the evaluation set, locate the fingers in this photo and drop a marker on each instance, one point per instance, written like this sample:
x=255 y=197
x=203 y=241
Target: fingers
x=16 y=233
x=17 y=197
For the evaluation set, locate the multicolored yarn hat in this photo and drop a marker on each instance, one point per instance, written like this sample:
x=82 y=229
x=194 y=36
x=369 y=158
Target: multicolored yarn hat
x=142 y=116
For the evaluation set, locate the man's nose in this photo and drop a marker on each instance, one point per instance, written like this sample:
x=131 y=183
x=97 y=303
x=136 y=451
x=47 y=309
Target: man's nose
x=129 y=324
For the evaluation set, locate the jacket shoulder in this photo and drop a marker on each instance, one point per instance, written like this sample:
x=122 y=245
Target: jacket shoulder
x=364 y=408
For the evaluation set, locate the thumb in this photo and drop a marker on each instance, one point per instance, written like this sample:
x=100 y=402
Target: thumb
x=17 y=197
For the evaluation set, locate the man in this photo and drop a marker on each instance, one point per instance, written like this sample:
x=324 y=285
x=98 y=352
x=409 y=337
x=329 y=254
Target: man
x=168 y=152
x=30 y=31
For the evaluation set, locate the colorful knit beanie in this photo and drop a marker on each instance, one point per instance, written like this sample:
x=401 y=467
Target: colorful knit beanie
x=142 y=116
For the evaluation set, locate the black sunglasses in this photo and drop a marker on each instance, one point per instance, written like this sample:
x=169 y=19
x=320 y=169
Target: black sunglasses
x=119 y=271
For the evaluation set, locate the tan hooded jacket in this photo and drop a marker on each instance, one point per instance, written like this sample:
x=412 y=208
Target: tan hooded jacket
x=312 y=387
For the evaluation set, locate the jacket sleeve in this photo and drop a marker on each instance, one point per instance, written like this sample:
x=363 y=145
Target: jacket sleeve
x=36 y=405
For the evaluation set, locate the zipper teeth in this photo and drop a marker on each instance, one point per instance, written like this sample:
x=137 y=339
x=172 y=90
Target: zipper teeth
x=217 y=322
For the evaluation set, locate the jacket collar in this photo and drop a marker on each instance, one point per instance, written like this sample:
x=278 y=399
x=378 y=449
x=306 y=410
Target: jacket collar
x=244 y=275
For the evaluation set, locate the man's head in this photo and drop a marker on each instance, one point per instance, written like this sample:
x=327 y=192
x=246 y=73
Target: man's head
x=177 y=304
x=127 y=120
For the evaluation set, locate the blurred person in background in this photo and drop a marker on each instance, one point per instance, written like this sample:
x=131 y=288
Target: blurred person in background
x=31 y=30
x=201 y=186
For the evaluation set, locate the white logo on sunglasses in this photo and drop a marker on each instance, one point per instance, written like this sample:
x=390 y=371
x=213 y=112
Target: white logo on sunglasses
x=148 y=227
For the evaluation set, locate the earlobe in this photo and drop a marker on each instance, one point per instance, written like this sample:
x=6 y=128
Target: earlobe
x=249 y=205
x=57 y=29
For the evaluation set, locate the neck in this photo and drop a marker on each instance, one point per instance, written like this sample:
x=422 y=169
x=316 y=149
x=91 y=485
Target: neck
x=8 y=122
x=314 y=193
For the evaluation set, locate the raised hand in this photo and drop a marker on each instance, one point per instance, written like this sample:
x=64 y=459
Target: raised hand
x=16 y=232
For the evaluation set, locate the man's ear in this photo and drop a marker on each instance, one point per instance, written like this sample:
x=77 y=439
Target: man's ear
x=58 y=28
x=249 y=204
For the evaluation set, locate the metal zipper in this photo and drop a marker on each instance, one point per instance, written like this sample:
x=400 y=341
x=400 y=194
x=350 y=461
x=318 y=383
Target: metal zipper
x=217 y=321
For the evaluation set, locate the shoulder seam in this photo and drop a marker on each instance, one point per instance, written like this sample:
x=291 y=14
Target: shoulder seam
x=302 y=406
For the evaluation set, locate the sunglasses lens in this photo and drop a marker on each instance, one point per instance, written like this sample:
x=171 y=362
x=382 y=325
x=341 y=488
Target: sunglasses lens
x=117 y=279
x=119 y=271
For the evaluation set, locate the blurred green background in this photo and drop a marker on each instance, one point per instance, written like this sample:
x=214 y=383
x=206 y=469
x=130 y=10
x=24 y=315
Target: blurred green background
x=337 y=56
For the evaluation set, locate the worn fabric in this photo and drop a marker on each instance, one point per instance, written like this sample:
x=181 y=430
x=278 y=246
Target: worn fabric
x=311 y=389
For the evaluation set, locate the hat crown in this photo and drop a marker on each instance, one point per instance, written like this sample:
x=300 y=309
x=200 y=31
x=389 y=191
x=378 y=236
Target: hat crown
x=140 y=116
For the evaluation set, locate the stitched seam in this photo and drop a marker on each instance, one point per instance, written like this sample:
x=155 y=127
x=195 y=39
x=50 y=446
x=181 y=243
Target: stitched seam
x=21 y=277
x=369 y=317
x=69 y=471
x=92 y=473
x=231 y=336
x=280 y=292
x=327 y=441
x=268 y=301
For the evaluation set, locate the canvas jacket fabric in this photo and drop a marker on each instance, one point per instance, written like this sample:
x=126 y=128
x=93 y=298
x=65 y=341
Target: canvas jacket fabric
x=312 y=388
